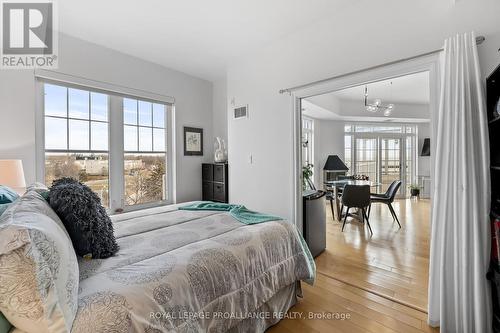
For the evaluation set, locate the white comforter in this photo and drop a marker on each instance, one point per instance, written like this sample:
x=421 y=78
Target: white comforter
x=187 y=271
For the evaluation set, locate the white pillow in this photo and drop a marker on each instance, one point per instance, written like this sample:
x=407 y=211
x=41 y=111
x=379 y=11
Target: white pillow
x=37 y=187
x=38 y=268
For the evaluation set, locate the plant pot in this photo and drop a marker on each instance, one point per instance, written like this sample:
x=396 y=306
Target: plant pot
x=415 y=192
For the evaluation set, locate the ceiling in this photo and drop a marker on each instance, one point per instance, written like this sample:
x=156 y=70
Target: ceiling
x=198 y=37
x=410 y=89
x=409 y=94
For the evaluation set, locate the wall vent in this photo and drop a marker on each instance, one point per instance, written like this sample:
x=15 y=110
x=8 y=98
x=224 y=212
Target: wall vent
x=240 y=112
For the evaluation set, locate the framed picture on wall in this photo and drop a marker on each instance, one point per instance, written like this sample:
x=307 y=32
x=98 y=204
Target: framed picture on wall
x=193 y=141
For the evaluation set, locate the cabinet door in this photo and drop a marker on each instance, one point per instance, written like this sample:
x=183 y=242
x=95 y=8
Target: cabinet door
x=207 y=172
x=219 y=173
x=219 y=192
x=208 y=191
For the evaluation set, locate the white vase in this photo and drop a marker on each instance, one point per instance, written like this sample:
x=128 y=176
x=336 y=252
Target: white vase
x=220 y=155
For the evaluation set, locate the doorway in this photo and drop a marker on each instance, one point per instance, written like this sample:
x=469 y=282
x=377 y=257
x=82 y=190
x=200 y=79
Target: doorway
x=391 y=161
x=393 y=263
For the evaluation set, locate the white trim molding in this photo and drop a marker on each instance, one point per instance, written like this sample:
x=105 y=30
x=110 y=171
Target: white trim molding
x=105 y=87
x=116 y=150
x=428 y=62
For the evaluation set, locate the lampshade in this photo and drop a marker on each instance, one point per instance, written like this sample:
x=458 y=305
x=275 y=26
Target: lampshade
x=334 y=163
x=12 y=174
x=426 y=148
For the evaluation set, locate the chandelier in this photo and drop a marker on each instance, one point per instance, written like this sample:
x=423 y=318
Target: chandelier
x=377 y=105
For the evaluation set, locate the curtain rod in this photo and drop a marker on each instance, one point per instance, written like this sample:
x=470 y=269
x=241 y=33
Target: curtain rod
x=479 y=40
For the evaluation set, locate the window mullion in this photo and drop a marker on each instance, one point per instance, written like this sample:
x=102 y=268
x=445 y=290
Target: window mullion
x=152 y=135
x=90 y=123
x=138 y=129
x=67 y=118
x=116 y=153
x=379 y=158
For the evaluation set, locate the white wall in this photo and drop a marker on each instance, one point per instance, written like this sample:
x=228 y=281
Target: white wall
x=489 y=53
x=342 y=44
x=76 y=57
x=329 y=140
x=17 y=119
x=220 y=113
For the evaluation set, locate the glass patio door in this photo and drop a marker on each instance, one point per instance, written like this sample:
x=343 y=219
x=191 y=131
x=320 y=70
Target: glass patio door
x=366 y=150
x=390 y=161
x=383 y=153
x=382 y=160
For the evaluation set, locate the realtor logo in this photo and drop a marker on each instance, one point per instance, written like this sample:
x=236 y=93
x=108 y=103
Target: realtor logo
x=28 y=34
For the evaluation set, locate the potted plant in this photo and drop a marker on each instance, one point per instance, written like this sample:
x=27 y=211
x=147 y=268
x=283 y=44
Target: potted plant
x=307 y=171
x=414 y=190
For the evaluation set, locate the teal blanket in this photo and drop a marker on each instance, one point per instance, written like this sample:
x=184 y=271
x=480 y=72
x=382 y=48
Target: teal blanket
x=239 y=212
x=4 y=324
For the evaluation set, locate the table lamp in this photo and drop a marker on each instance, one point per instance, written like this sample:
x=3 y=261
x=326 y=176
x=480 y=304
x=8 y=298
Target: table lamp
x=334 y=167
x=426 y=148
x=12 y=175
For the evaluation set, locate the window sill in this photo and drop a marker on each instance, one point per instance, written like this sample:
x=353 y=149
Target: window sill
x=134 y=208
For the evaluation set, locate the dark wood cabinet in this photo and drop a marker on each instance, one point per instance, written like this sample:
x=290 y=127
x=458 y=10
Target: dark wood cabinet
x=220 y=173
x=215 y=182
x=207 y=172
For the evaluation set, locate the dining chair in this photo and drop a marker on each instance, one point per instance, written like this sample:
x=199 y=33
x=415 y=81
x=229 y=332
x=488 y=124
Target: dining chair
x=357 y=196
x=387 y=198
x=339 y=190
x=330 y=196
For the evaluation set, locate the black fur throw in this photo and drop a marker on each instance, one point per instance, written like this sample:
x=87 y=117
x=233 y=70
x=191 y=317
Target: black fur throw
x=85 y=219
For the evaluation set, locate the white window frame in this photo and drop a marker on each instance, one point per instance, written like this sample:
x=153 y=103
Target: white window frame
x=139 y=152
x=68 y=119
x=115 y=135
x=310 y=133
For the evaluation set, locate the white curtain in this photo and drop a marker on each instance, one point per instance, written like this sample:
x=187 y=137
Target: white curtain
x=459 y=294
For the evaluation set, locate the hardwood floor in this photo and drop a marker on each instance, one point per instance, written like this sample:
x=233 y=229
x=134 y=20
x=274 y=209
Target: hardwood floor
x=379 y=281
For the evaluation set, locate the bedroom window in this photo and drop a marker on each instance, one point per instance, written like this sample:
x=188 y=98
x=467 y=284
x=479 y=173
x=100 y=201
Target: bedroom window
x=107 y=138
x=76 y=137
x=144 y=125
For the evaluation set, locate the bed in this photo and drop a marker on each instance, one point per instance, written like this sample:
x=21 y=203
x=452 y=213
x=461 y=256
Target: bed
x=192 y=271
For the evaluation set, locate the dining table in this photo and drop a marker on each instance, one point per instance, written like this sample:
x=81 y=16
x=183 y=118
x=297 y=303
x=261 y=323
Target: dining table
x=335 y=185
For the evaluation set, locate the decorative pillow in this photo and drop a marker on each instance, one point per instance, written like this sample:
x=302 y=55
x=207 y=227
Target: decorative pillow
x=85 y=219
x=7 y=195
x=38 y=268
